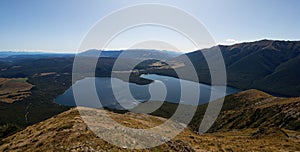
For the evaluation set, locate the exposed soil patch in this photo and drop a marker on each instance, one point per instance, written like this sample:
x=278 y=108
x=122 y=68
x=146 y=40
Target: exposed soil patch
x=14 y=89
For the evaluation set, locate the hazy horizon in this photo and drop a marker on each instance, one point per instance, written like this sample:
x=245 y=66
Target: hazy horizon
x=122 y=49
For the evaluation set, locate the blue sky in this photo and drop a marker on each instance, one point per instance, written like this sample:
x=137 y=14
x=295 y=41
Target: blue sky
x=60 y=25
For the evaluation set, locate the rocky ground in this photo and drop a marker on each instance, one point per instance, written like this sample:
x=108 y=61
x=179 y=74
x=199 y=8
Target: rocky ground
x=68 y=132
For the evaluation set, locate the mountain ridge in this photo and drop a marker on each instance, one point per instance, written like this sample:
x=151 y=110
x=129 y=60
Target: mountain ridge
x=68 y=132
x=256 y=65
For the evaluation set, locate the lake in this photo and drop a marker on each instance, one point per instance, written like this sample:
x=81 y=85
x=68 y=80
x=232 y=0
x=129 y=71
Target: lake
x=135 y=94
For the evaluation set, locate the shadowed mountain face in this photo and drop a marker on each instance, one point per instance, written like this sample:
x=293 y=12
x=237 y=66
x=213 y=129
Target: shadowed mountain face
x=271 y=66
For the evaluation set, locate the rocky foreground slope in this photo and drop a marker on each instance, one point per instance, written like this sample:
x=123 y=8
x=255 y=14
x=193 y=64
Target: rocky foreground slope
x=250 y=121
x=68 y=132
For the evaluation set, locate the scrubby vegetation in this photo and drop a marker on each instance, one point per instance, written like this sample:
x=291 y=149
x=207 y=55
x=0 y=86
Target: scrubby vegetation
x=68 y=132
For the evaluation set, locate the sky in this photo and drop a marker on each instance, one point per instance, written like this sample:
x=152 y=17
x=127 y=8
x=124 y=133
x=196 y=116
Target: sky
x=61 y=25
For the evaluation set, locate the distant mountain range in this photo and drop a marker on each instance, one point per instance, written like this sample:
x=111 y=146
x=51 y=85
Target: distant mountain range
x=11 y=55
x=132 y=54
x=4 y=54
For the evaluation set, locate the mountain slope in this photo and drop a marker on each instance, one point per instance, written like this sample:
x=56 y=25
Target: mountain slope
x=68 y=132
x=254 y=109
x=244 y=110
x=267 y=65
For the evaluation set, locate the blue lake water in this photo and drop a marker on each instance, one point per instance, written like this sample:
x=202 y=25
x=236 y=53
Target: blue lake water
x=127 y=95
